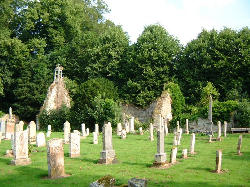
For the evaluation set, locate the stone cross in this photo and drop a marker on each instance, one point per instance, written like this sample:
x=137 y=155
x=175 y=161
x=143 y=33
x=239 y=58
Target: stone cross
x=184 y=153
x=83 y=129
x=160 y=157
x=55 y=157
x=97 y=129
x=218 y=161
x=179 y=134
x=74 y=146
x=20 y=149
x=19 y=126
x=95 y=138
x=108 y=153
x=219 y=131
x=119 y=129
x=123 y=134
x=132 y=125
x=173 y=155
x=175 y=139
x=32 y=132
x=127 y=127
x=239 y=145
x=140 y=131
x=10 y=113
x=225 y=129
x=87 y=131
x=151 y=132
x=187 y=131
x=40 y=140
x=66 y=130
x=192 y=144
x=9 y=128
x=49 y=131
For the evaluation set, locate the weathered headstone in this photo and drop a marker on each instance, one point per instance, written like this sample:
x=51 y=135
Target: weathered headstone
x=10 y=113
x=219 y=131
x=132 y=125
x=123 y=134
x=37 y=123
x=95 y=138
x=119 y=129
x=2 y=123
x=55 y=157
x=151 y=132
x=239 y=145
x=210 y=118
x=210 y=138
x=134 y=182
x=20 y=150
x=108 y=153
x=166 y=127
x=19 y=126
x=192 y=144
x=175 y=139
x=140 y=131
x=66 y=129
x=173 y=155
x=32 y=132
x=187 y=130
x=184 y=153
x=179 y=135
x=49 y=131
x=218 y=161
x=77 y=132
x=97 y=129
x=178 y=126
x=87 y=132
x=225 y=129
x=9 y=128
x=83 y=129
x=160 y=157
x=40 y=139
x=127 y=127
x=74 y=146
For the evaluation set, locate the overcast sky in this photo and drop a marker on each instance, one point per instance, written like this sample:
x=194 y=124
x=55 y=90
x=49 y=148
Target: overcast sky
x=183 y=19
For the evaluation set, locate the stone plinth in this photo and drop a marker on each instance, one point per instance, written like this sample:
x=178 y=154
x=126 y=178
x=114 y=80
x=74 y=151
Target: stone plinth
x=20 y=150
x=55 y=157
x=40 y=140
x=74 y=147
x=9 y=128
x=95 y=138
x=66 y=129
x=32 y=132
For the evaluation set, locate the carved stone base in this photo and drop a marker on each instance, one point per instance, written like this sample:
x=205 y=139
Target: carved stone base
x=108 y=157
x=160 y=158
x=21 y=162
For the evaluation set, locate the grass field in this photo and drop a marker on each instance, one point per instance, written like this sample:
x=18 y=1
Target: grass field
x=136 y=155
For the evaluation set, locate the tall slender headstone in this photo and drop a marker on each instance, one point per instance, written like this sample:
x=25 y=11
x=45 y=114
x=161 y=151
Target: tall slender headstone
x=97 y=129
x=132 y=125
x=218 y=161
x=210 y=113
x=179 y=135
x=175 y=139
x=32 y=132
x=173 y=155
x=108 y=153
x=151 y=132
x=219 y=131
x=127 y=127
x=55 y=157
x=119 y=129
x=40 y=140
x=239 y=145
x=10 y=113
x=83 y=129
x=66 y=129
x=187 y=130
x=87 y=131
x=2 y=122
x=225 y=129
x=178 y=126
x=20 y=149
x=160 y=156
x=192 y=144
x=74 y=146
x=95 y=138
x=37 y=123
x=49 y=131
x=9 y=128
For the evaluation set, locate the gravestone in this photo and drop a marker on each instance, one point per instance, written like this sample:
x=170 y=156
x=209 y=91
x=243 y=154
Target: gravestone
x=2 y=123
x=179 y=134
x=151 y=132
x=19 y=126
x=127 y=127
x=9 y=128
x=83 y=130
x=178 y=126
x=166 y=127
x=32 y=132
x=210 y=138
x=119 y=129
x=132 y=125
x=218 y=161
x=140 y=131
x=219 y=131
x=87 y=132
x=225 y=129
x=66 y=129
x=40 y=140
x=123 y=134
x=55 y=158
x=239 y=145
x=184 y=153
x=134 y=182
x=49 y=131
x=20 y=150
x=160 y=156
x=77 y=132
x=173 y=155
x=175 y=139
x=95 y=138
x=97 y=129
x=0 y=136
x=108 y=153
x=192 y=144
x=187 y=130
x=74 y=146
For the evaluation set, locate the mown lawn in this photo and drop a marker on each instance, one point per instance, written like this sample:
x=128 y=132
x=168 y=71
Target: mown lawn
x=136 y=155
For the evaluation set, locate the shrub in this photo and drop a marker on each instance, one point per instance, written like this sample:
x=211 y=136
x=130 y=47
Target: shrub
x=242 y=115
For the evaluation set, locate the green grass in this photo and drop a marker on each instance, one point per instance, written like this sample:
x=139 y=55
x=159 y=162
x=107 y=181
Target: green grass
x=136 y=155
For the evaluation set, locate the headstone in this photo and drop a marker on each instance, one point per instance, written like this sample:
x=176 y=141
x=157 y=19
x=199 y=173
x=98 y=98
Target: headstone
x=77 y=132
x=9 y=128
x=179 y=134
x=178 y=126
x=175 y=139
x=55 y=157
x=108 y=153
x=225 y=129
x=49 y=131
x=97 y=129
x=119 y=129
x=83 y=129
x=132 y=125
x=127 y=127
x=218 y=161
x=32 y=132
x=95 y=138
x=12 y=142
x=87 y=131
x=66 y=129
x=40 y=140
x=10 y=113
x=187 y=130
x=19 y=126
x=3 y=128
x=151 y=132
x=134 y=182
x=140 y=131
x=166 y=127
x=20 y=151
x=160 y=157
x=173 y=155
x=210 y=138
x=219 y=131
x=123 y=134
x=239 y=145
x=192 y=144
x=184 y=153
x=74 y=146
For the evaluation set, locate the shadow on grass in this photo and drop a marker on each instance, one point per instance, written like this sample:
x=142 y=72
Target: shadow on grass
x=190 y=183
x=93 y=161
x=138 y=164
x=201 y=169
x=6 y=160
x=235 y=156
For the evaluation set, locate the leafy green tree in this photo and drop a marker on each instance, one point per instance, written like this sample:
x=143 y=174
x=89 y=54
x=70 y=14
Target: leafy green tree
x=208 y=90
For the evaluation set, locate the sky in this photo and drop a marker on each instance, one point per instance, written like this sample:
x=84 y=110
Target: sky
x=183 y=19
